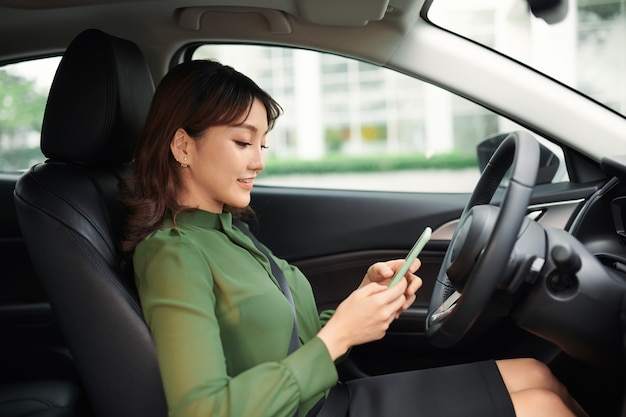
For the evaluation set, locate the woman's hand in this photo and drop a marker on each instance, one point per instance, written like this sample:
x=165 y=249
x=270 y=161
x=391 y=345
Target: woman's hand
x=382 y=273
x=367 y=313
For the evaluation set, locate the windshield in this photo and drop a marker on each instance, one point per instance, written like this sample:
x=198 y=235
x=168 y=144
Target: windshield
x=586 y=50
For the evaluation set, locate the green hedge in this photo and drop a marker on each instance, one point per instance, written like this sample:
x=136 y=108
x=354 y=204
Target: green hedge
x=338 y=164
x=23 y=158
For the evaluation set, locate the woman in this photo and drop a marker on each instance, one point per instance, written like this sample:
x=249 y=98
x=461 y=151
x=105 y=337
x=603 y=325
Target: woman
x=221 y=327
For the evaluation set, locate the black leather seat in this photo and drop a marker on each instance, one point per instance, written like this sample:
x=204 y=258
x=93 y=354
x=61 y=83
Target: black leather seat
x=70 y=220
x=49 y=398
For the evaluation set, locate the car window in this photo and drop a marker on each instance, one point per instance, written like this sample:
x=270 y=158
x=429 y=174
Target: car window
x=24 y=90
x=352 y=125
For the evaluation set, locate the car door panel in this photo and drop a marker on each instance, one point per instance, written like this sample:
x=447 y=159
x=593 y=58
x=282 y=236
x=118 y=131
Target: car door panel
x=300 y=223
x=334 y=236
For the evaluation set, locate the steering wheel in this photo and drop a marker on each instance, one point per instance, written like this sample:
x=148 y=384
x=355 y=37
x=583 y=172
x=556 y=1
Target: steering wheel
x=483 y=241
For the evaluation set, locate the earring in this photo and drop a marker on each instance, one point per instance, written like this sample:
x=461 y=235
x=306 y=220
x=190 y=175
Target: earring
x=183 y=164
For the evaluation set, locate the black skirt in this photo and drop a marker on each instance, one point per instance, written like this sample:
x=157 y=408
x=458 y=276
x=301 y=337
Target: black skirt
x=468 y=390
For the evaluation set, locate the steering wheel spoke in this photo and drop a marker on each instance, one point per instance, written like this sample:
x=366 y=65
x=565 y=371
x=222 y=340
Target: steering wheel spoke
x=445 y=308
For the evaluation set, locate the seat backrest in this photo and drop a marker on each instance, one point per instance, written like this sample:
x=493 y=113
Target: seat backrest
x=70 y=219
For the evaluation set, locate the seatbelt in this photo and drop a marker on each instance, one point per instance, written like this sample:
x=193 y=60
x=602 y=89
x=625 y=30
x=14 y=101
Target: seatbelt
x=336 y=405
x=294 y=343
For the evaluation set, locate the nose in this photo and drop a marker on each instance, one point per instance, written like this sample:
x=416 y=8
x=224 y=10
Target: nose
x=258 y=162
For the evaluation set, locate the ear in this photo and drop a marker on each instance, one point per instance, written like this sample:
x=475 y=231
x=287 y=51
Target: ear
x=179 y=145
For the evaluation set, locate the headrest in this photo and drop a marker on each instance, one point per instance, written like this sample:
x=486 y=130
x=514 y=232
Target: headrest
x=98 y=101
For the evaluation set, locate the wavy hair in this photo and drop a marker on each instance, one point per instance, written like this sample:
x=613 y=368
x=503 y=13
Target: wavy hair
x=194 y=96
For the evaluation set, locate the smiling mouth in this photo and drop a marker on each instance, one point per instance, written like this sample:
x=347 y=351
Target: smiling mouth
x=246 y=182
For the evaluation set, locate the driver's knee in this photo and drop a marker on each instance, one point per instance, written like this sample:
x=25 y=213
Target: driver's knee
x=526 y=373
x=539 y=402
x=541 y=376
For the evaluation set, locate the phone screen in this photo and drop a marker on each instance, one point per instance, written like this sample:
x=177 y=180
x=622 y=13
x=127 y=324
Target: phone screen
x=417 y=248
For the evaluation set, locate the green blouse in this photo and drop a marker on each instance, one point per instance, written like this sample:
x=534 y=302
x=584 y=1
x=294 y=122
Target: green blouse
x=222 y=326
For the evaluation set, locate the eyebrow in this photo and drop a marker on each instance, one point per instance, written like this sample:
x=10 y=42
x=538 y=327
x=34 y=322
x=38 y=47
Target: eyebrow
x=249 y=127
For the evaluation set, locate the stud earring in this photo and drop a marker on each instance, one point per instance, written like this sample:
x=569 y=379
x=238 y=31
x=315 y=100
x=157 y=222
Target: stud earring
x=183 y=164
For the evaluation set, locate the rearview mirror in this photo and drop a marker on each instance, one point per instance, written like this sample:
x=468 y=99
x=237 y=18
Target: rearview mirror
x=548 y=161
x=552 y=11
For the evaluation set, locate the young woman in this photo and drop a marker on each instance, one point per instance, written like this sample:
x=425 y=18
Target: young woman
x=220 y=323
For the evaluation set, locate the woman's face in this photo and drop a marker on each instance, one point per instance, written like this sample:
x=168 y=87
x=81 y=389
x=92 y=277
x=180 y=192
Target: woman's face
x=223 y=164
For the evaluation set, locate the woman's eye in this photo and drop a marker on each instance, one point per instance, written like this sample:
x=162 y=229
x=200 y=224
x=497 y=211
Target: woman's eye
x=245 y=144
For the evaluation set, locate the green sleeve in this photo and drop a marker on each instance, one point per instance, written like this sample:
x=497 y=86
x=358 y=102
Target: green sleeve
x=325 y=316
x=176 y=288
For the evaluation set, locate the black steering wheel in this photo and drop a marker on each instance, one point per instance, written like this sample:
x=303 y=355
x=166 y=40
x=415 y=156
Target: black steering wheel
x=483 y=241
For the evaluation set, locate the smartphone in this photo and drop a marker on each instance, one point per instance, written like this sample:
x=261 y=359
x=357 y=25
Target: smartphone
x=415 y=250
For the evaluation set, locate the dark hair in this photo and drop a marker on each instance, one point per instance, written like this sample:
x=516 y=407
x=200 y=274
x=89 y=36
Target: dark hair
x=194 y=96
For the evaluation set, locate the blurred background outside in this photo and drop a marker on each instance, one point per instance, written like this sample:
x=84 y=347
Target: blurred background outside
x=349 y=124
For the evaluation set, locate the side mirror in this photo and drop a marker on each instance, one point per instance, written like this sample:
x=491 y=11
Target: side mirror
x=548 y=162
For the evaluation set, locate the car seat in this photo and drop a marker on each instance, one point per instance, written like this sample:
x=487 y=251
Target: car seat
x=70 y=219
x=44 y=398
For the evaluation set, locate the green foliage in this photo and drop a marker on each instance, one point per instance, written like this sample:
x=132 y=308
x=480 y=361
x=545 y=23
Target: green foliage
x=21 y=106
x=341 y=163
x=21 y=113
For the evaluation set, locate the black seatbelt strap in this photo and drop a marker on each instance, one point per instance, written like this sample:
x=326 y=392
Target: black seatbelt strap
x=336 y=405
x=294 y=343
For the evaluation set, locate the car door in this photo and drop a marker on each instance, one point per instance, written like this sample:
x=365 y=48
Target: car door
x=333 y=236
